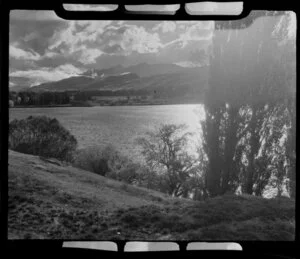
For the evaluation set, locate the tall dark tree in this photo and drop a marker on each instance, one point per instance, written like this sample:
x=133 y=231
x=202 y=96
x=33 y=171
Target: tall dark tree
x=211 y=146
x=247 y=75
x=231 y=137
x=285 y=33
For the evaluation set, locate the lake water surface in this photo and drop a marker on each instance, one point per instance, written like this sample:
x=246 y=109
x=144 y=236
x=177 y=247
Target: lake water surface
x=117 y=125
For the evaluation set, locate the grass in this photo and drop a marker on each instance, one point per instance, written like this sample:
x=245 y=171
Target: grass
x=224 y=218
x=50 y=201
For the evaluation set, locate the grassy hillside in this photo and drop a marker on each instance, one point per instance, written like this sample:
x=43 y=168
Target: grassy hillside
x=52 y=200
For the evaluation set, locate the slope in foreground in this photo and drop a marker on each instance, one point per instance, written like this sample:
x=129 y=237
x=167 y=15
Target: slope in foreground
x=51 y=200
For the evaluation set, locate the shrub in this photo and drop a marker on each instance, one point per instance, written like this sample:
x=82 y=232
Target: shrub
x=129 y=173
x=105 y=161
x=109 y=162
x=43 y=136
x=91 y=159
x=151 y=179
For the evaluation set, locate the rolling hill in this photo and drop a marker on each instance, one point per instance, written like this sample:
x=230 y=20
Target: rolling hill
x=49 y=199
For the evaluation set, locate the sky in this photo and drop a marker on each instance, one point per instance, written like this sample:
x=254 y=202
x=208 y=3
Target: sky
x=44 y=47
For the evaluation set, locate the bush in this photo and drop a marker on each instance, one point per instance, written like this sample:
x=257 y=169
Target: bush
x=105 y=161
x=110 y=163
x=43 y=136
x=92 y=159
x=151 y=179
x=130 y=173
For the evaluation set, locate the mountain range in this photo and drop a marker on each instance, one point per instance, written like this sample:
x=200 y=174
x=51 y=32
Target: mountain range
x=149 y=77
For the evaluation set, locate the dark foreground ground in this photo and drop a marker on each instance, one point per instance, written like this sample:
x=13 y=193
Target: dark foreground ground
x=51 y=200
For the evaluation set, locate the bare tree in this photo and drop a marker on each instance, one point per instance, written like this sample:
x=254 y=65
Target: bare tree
x=165 y=152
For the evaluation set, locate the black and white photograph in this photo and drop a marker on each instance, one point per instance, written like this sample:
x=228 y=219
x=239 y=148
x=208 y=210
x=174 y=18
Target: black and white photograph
x=152 y=129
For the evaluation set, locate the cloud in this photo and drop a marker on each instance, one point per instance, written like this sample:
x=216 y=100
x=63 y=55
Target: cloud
x=138 y=39
x=166 y=26
x=113 y=48
x=192 y=31
x=199 y=31
x=205 y=25
x=89 y=56
x=128 y=39
x=84 y=42
x=78 y=32
x=34 y=35
x=80 y=40
x=21 y=64
x=30 y=36
x=43 y=75
x=40 y=47
x=21 y=54
x=50 y=54
x=185 y=50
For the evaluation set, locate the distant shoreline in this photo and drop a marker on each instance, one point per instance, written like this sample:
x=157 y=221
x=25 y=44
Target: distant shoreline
x=95 y=104
x=105 y=105
x=40 y=106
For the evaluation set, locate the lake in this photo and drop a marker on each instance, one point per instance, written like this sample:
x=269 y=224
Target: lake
x=117 y=125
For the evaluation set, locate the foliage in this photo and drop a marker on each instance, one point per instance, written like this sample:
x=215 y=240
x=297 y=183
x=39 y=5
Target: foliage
x=165 y=152
x=39 y=98
x=43 y=136
x=291 y=147
x=249 y=131
x=108 y=162
x=98 y=160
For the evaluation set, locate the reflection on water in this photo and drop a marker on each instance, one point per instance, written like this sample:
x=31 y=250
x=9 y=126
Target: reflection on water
x=118 y=125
